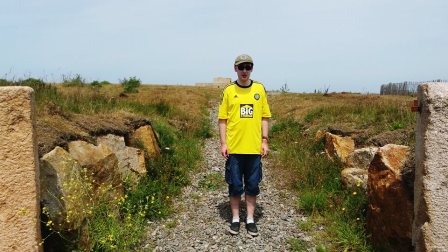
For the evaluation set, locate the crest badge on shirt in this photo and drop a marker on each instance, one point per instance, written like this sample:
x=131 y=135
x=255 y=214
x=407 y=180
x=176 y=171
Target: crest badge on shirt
x=257 y=96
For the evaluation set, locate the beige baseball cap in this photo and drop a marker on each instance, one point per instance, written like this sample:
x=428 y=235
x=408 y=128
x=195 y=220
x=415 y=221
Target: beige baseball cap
x=243 y=58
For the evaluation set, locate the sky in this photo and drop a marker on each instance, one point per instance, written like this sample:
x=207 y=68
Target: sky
x=345 y=45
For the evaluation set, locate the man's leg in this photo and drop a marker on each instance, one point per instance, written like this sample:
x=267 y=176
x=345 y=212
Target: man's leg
x=251 y=202
x=252 y=178
x=234 y=179
x=235 y=206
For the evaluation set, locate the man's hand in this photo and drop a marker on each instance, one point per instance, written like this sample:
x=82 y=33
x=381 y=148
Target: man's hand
x=264 y=148
x=224 y=151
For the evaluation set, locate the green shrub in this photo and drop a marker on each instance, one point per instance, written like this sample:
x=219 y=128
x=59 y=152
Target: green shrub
x=96 y=84
x=130 y=85
x=396 y=125
x=75 y=81
x=4 y=82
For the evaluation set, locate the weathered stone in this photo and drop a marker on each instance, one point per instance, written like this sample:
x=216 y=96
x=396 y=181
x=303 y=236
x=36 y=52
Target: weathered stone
x=431 y=174
x=131 y=161
x=361 y=158
x=320 y=134
x=338 y=147
x=146 y=137
x=100 y=160
x=390 y=204
x=61 y=181
x=19 y=172
x=354 y=177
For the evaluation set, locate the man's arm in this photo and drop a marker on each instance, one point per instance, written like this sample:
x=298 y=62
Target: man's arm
x=265 y=136
x=222 y=123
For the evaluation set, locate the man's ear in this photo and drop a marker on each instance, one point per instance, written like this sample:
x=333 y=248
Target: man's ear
x=235 y=67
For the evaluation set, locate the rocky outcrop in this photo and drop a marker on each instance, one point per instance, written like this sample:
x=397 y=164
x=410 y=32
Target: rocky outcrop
x=146 y=138
x=390 y=204
x=131 y=161
x=70 y=179
x=99 y=160
x=361 y=158
x=354 y=177
x=338 y=147
x=60 y=179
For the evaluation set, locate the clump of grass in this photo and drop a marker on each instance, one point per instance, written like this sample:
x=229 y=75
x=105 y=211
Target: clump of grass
x=305 y=225
x=163 y=108
x=212 y=181
x=298 y=245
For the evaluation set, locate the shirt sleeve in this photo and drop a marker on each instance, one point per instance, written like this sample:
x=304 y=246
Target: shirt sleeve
x=266 y=112
x=223 y=112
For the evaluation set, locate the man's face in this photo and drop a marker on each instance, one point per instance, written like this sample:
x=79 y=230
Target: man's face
x=243 y=71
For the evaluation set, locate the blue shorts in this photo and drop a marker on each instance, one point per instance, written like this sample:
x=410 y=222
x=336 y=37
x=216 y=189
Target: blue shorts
x=245 y=167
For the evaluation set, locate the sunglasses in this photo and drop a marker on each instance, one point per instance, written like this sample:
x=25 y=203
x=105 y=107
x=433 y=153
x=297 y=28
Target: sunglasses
x=248 y=67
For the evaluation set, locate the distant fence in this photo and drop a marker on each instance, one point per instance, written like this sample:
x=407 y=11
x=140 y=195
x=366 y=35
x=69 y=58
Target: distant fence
x=403 y=88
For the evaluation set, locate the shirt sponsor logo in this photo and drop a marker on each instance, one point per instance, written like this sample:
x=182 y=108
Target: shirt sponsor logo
x=246 y=110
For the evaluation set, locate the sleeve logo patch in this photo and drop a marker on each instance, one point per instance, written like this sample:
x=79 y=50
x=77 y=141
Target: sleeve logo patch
x=246 y=110
x=257 y=96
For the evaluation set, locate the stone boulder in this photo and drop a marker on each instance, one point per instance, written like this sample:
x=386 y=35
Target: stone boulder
x=147 y=139
x=354 y=177
x=131 y=161
x=60 y=180
x=320 y=134
x=390 y=203
x=361 y=158
x=99 y=160
x=338 y=147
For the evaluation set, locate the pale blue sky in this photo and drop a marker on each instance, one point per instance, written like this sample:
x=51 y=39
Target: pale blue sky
x=346 y=45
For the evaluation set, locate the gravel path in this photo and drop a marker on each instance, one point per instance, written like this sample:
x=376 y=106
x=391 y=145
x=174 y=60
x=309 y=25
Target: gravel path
x=203 y=214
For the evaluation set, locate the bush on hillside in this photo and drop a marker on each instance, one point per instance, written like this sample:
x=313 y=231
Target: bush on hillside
x=76 y=81
x=96 y=84
x=130 y=85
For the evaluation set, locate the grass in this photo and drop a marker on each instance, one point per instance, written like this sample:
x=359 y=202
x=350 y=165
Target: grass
x=179 y=116
x=212 y=181
x=298 y=245
x=301 y=164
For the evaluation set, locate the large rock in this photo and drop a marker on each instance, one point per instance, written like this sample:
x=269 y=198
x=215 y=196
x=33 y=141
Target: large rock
x=361 y=158
x=354 y=177
x=338 y=147
x=100 y=160
x=390 y=207
x=62 y=189
x=131 y=161
x=146 y=138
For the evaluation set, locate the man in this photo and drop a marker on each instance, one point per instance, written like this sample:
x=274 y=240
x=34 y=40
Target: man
x=243 y=128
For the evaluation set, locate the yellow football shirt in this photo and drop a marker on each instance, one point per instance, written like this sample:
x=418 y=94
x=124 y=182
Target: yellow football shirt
x=243 y=108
